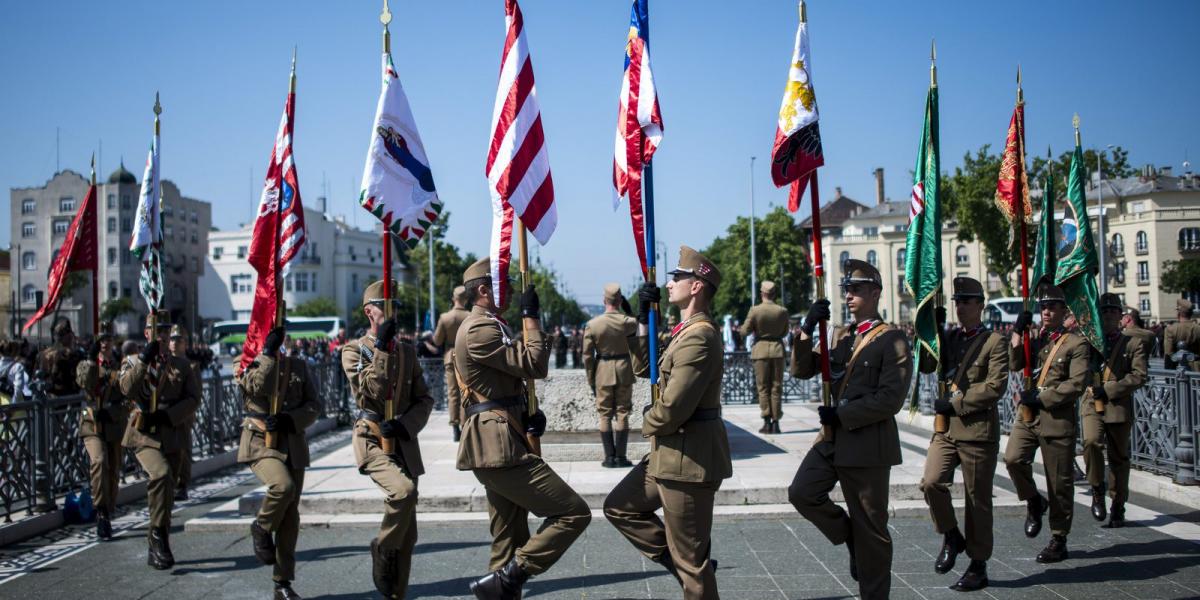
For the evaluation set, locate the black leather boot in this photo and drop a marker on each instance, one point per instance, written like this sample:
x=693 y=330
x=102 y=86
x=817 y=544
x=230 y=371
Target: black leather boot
x=264 y=543
x=952 y=544
x=383 y=569
x=1055 y=551
x=1099 y=510
x=504 y=584
x=1034 y=509
x=103 y=525
x=181 y=494
x=610 y=461
x=284 y=591
x=159 y=555
x=775 y=426
x=456 y=431
x=1116 y=518
x=766 y=428
x=975 y=578
x=620 y=443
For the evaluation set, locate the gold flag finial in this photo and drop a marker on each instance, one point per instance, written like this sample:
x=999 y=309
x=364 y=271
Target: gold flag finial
x=1075 y=123
x=385 y=17
x=933 y=63
x=292 y=78
x=803 y=13
x=1020 y=93
x=157 y=111
x=93 y=168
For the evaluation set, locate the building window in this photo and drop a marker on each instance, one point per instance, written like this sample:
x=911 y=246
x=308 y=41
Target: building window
x=1118 y=245
x=112 y=286
x=901 y=255
x=1142 y=244
x=961 y=258
x=195 y=217
x=313 y=282
x=126 y=225
x=168 y=211
x=112 y=224
x=112 y=204
x=193 y=236
x=217 y=251
x=871 y=231
x=61 y=226
x=28 y=230
x=872 y=258
x=842 y=259
x=845 y=313
x=242 y=251
x=240 y=284
x=353 y=282
x=1119 y=274
x=1144 y=303
x=195 y=264
x=29 y=261
x=1143 y=273
x=301 y=282
x=112 y=256
x=66 y=204
x=126 y=258
x=126 y=201
x=168 y=231
x=287 y=282
x=28 y=206
x=1189 y=239
x=29 y=294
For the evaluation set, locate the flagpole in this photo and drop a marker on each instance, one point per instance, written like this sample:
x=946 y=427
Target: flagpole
x=941 y=424
x=535 y=443
x=154 y=309
x=651 y=271
x=388 y=445
x=1028 y=370
x=280 y=307
x=95 y=278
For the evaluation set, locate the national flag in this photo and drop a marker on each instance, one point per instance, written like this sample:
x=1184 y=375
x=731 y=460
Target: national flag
x=797 y=152
x=639 y=123
x=78 y=253
x=1078 y=262
x=1012 y=186
x=279 y=230
x=518 y=164
x=146 y=243
x=1045 y=255
x=923 y=250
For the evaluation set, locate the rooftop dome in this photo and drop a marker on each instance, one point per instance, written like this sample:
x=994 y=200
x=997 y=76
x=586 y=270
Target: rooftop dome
x=122 y=176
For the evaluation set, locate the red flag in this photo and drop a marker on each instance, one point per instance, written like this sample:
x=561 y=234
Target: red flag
x=1012 y=187
x=797 y=151
x=278 y=231
x=78 y=253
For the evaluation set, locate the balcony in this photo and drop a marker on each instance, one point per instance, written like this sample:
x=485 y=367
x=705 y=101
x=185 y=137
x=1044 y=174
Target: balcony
x=308 y=260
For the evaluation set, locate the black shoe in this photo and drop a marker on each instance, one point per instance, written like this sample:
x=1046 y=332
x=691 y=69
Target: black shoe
x=1099 y=510
x=159 y=555
x=766 y=428
x=1079 y=474
x=952 y=545
x=181 y=494
x=620 y=443
x=606 y=439
x=456 y=431
x=383 y=569
x=103 y=525
x=974 y=579
x=284 y=591
x=504 y=584
x=1055 y=551
x=775 y=426
x=668 y=563
x=853 y=562
x=1034 y=509
x=264 y=544
x=1116 y=518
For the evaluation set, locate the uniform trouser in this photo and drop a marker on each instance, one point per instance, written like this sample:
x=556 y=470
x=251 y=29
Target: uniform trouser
x=865 y=490
x=684 y=531
x=161 y=468
x=280 y=511
x=185 y=464
x=978 y=460
x=768 y=378
x=398 y=531
x=105 y=470
x=560 y=360
x=1114 y=438
x=613 y=403
x=513 y=493
x=1058 y=458
x=453 y=396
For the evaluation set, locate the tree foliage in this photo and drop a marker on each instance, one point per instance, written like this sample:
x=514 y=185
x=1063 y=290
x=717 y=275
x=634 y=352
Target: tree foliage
x=317 y=307
x=1181 y=276
x=115 y=307
x=782 y=257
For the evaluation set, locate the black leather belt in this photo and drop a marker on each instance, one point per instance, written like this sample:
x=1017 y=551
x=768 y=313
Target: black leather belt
x=498 y=404
x=705 y=414
x=257 y=415
x=767 y=338
x=612 y=356
x=368 y=415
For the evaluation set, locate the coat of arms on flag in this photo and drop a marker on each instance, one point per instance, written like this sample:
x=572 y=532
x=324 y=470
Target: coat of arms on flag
x=797 y=151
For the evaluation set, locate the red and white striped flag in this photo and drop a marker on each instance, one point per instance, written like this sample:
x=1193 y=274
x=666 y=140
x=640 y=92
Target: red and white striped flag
x=278 y=230
x=518 y=164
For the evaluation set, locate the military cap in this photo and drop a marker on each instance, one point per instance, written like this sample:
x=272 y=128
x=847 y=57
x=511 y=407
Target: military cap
x=1051 y=293
x=61 y=327
x=860 y=271
x=965 y=288
x=612 y=292
x=480 y=268
x=767 y=287
x=697 y=265
x=106 y=331
x=1111 y=301
x=164 y=320
x=460 y=293
x=1183 y=305
x=178 y=331
x=374 y=292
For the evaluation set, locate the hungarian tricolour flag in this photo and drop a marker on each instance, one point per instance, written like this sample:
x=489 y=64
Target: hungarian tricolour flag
x=923 y=251
x=797 y=152
x=146 y=243
x=1078 y=262
x=78 y=253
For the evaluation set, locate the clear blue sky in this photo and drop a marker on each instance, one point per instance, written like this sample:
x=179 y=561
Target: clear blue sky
x=92 y=68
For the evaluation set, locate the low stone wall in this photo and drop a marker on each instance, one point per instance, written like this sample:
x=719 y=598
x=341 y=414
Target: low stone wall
x=567 y=401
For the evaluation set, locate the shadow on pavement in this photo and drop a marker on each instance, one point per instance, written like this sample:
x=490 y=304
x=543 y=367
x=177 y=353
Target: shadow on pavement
x=1158 y=564
x=446 y=546
x=743 y=444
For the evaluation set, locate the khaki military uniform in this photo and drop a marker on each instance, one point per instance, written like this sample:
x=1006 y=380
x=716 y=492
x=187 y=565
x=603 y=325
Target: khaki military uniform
x=160 y=451
x=1053 y=427
x=609 y=370
x=492 y=367
x=375 y=377
x=979 y=369
x=688 y=460
x=768 y=322
x=280 y=468
x=1109 y=432
x=185 y=465
x=60 y=363
x=864 y=447
x=102 y=441
x=443 y=336
x=1187 y=332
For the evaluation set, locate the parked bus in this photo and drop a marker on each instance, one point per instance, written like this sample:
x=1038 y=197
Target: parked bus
x=227 y=337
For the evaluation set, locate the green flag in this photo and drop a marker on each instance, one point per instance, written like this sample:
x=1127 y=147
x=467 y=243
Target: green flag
x=923 y=250
x=1077 y=259
x=1045 y=256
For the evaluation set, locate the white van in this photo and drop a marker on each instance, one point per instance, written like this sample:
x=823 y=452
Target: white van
x=1003 y=310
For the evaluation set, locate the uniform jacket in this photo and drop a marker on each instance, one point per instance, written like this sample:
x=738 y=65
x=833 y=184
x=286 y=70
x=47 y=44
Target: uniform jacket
x=1146 y=336
x=983 y=381
x=1187 y=332
x=766 y=320
x=99 y=382
x=875 y=392
x=492 y=365
x=447 y=330
x=178 y=394
x=298 y=399
x=374 y=376
x=690 y=370
x=1063 y=386
x=606 y=349
x=1129 y=365
x=59 y=363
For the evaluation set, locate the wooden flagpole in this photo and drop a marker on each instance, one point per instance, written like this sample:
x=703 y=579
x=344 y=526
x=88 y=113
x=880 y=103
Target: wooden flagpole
x=535 y=443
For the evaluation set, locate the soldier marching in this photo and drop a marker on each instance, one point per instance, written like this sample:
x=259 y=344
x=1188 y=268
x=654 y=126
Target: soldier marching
x=606 y=359
x=443 y=337
x=768 y=323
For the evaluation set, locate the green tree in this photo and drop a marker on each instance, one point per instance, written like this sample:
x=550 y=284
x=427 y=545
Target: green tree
x=782 y=256
x=557 y=308
x=1181 y=276
x=1115 y=163
x=317 y=307
x=115 y=307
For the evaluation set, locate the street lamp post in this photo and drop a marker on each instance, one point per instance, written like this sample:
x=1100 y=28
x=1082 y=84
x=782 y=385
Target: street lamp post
x=1102 y=246
x=753 y=255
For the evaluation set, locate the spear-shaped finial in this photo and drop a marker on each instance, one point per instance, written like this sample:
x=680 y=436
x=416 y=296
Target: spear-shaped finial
x=292 y=79
x=93 y=168
x=933 y=63
x=1075 y=123
x=385 y=17
x=157 y=111
x=803 y=13
x=1020 y=93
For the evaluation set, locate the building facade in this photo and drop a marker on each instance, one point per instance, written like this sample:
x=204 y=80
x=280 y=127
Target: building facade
x=40 y=217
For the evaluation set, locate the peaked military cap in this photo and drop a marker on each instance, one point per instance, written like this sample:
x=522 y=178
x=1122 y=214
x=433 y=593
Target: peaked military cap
x=178 y=331
x=612 y=292
x=1051 y=293
x=860 y=271
x=697 y=265
x=767 y=287
x=1183 y=305
x=965 y=288
x=374 y=292
x=1111 y=300
x=480 y=268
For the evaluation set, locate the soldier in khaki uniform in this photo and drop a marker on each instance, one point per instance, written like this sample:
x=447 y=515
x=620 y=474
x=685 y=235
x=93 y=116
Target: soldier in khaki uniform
x=689 y=450
x=492 y=367
x=1108 y=432
x=179 y=349
x=610 y=373
x=1132 y=325
x=768 y=323
x=1184 y=335
x=872 y=364
x=443 y=337
x=977 y=375
x=1063 y=372
x=280 y=467
x=60 y=361
x=382 y=369
x=102 y=426
x=155 y=435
